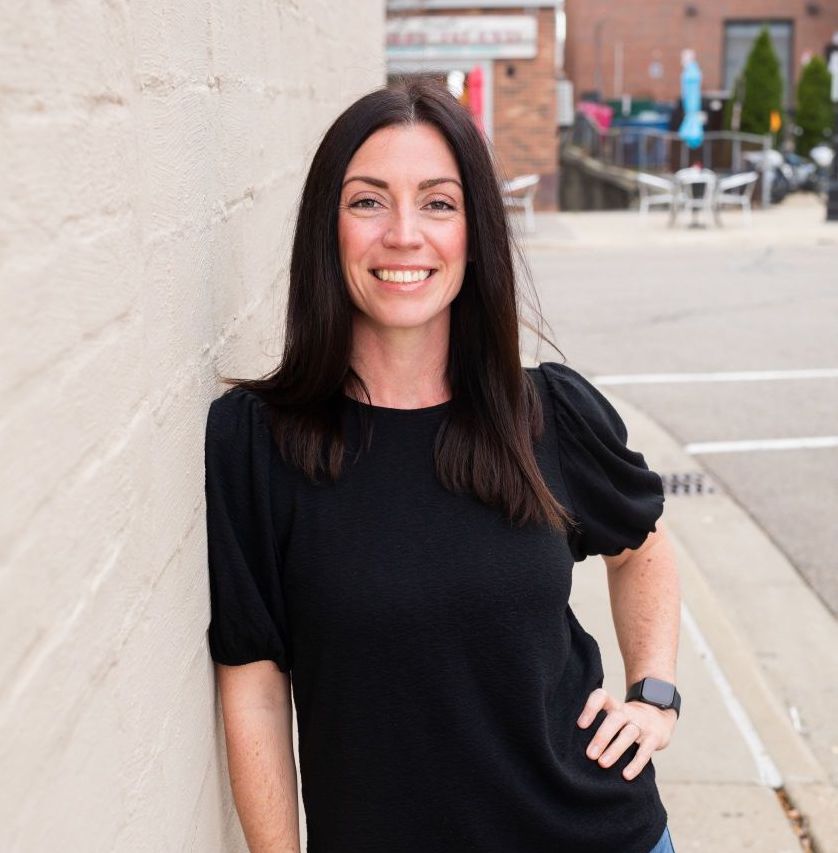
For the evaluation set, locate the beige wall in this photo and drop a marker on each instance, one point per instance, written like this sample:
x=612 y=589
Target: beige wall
x=151 y=155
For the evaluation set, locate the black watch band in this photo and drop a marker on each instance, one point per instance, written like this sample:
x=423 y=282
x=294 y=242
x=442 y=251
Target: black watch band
x=655 y=692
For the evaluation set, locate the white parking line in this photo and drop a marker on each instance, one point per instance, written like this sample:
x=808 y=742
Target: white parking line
x=721 y=376
x=769 y=774
x=816 y=442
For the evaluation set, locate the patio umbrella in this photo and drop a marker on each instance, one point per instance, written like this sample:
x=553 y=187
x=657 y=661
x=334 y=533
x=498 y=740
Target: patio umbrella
x=475 y=94
x=691 y=129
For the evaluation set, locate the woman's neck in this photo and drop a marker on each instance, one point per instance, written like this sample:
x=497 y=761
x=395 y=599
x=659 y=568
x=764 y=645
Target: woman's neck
x=402 y=368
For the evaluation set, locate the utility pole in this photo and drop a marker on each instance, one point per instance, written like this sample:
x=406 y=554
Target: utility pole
x=832 y=192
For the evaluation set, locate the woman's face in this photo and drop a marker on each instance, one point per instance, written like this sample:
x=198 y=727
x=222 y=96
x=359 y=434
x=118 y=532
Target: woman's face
x=402 y=227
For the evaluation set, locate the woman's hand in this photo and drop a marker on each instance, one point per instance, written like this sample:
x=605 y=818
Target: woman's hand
x=630 y=722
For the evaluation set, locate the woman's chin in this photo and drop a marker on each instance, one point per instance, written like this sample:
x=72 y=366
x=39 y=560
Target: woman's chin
x=405 y=318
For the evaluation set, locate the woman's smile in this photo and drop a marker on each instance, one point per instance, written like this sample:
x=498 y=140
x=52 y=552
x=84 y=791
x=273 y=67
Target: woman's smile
x=396 y=280
x=402 y=275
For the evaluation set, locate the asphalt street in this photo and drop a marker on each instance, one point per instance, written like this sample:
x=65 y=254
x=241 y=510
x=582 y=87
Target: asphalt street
x=625 y=298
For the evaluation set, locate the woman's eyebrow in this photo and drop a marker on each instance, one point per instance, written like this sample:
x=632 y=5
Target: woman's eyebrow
x=424 y=185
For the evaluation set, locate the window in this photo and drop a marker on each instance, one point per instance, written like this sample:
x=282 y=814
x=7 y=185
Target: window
x=740 y=36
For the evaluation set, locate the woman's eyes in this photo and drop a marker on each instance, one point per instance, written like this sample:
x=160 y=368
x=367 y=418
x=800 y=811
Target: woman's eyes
x=362 y=203
x=369 y=204
x=446 y=205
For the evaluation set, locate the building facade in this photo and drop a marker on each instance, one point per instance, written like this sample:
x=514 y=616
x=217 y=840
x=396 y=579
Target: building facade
x=514 y=48
x=153 y=157
x=634 y=47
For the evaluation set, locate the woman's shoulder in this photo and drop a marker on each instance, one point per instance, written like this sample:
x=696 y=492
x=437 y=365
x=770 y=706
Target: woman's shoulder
x=236 y=411
x=559 y=375
x=571 y=394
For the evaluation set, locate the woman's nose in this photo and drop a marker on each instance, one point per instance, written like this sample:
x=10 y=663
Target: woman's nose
x=403 y=230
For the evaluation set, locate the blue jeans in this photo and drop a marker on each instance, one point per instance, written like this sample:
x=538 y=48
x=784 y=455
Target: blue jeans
x=664 y=845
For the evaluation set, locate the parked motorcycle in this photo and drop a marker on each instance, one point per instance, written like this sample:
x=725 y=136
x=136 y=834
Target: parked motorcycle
x=804 y=172
x=773 y=168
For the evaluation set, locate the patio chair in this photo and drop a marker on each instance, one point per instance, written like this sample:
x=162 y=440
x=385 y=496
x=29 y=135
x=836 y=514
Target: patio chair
x=654 y=191
x=735 y=191
x=519 y=193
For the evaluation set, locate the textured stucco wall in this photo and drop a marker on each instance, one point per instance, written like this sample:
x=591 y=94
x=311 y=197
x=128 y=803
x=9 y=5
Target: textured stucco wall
x=151 y=155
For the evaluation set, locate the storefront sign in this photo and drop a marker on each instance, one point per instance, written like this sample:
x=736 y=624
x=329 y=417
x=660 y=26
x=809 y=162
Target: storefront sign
x=462 y=36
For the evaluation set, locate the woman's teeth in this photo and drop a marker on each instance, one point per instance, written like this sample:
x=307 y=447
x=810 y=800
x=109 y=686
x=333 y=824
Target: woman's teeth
x=402 y=275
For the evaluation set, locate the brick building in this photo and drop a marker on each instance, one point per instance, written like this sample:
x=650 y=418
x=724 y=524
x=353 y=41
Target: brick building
x=514 y=46
x=634 y=46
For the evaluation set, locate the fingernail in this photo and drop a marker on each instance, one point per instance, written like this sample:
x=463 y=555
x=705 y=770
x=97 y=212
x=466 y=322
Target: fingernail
x=593 y=751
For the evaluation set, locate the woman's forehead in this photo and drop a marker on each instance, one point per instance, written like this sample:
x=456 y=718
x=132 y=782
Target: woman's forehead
x=413 y=153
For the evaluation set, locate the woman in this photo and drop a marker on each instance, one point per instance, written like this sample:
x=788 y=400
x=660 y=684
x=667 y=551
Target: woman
x=393 y=517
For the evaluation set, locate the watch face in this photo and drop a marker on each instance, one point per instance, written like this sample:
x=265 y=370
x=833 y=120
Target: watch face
x=658 y=692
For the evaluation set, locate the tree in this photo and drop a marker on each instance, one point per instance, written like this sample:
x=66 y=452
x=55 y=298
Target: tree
x=814 y=107
x=763 y=86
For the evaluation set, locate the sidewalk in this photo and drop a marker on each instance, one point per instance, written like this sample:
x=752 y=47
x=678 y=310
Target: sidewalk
x=799 y=219
x=735 y=743
x=758 y=669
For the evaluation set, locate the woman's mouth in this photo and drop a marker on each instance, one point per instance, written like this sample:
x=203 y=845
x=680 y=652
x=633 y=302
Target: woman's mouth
x=403 y=276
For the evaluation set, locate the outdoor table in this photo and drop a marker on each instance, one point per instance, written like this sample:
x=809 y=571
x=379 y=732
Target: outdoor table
x=694 y=190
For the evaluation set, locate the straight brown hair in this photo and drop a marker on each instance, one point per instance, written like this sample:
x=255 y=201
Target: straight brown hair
x=485 y=444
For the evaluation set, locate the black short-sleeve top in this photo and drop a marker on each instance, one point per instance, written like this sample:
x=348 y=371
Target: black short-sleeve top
x=437 y=667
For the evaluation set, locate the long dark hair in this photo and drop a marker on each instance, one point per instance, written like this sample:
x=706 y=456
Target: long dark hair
x=485 y=445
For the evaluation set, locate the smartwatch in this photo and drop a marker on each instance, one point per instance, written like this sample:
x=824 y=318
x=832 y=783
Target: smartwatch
x=655 y=692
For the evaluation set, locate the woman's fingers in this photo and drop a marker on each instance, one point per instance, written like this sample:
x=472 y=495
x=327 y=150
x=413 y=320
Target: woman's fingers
x=598 y=700
x=607 y=731
x=625 y=724
x=640 y=760
x=630 y=733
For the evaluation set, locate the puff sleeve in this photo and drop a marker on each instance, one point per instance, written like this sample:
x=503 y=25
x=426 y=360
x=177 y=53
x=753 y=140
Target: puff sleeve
x=614 y=497
x=247 y=621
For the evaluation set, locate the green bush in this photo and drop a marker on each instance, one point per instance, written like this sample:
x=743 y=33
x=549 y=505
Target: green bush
x=814 y=107
x=763 y=86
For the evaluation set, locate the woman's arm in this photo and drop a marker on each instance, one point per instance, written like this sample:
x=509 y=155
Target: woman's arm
x=645 y=605
x=257 y=711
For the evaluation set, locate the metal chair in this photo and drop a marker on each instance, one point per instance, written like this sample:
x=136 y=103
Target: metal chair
x=735 y=191
x=654 y=191
x=526 y=184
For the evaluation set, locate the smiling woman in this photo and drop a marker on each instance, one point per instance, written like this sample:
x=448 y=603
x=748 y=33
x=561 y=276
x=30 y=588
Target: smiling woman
x=393 y=516
x=403 y=182
x=401 y=232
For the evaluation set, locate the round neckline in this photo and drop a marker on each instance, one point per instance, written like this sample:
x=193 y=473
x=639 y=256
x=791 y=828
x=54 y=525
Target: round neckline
x=388 y=410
